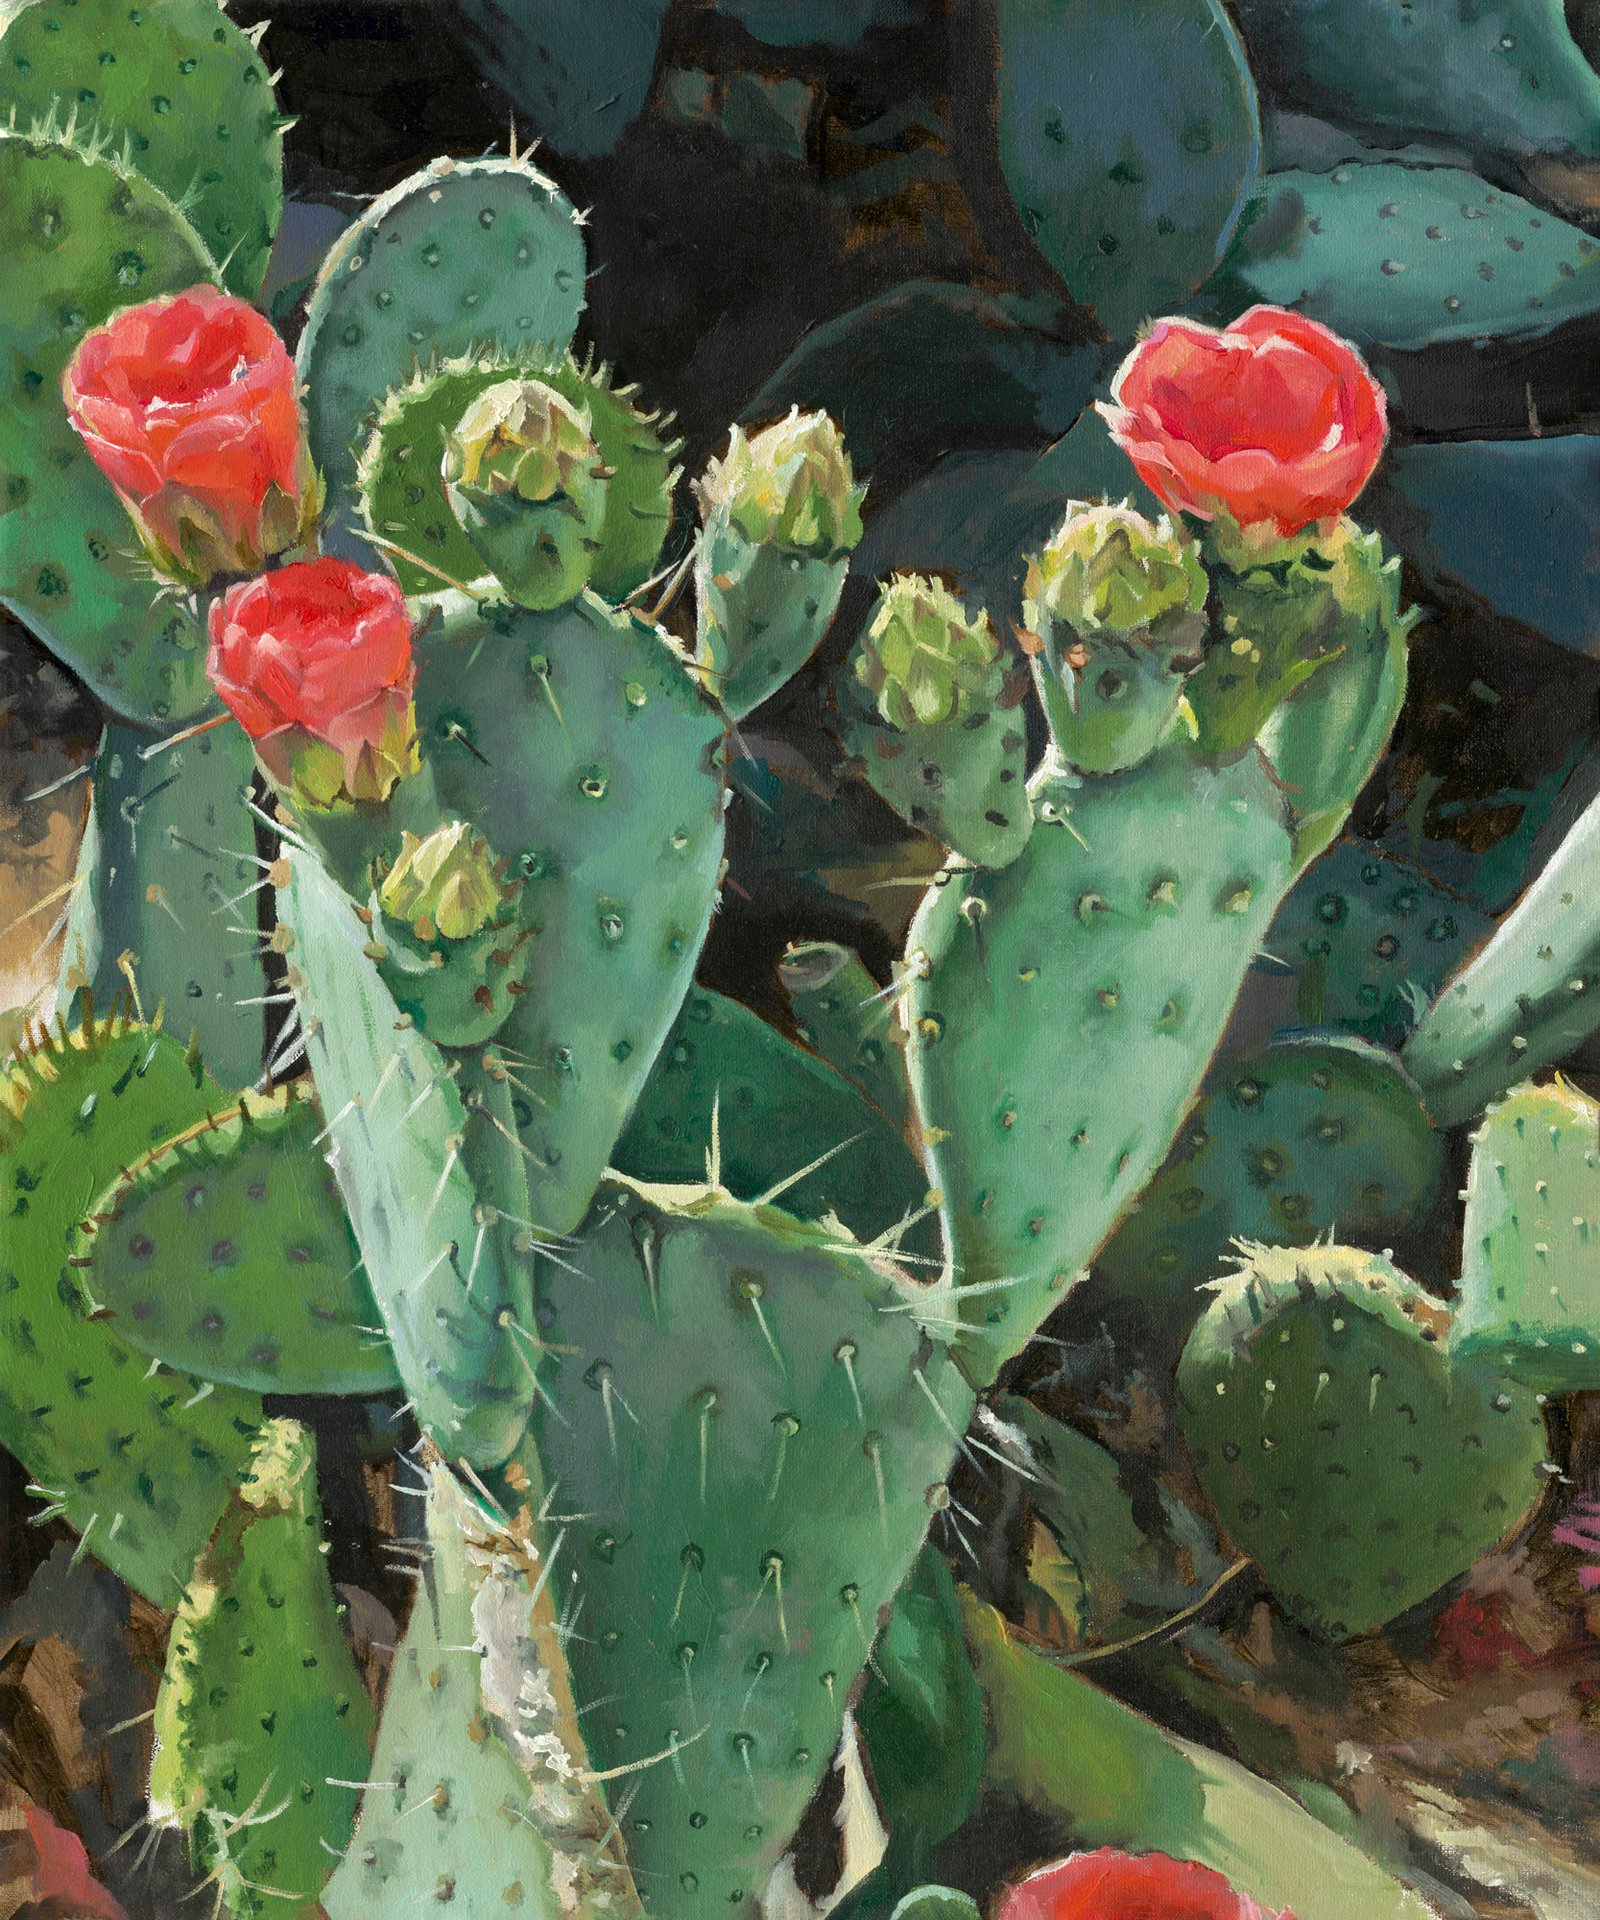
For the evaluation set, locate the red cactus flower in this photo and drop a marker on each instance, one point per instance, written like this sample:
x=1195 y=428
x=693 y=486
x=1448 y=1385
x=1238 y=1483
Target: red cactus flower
x=314 y=661
x=1581 y=1529
x=1273 y=422
x=188 y=405
x=1109 y=1885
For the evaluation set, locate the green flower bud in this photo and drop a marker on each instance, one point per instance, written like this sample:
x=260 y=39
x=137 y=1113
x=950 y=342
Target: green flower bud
x=446 y=887
x=1110 y=570
x=922 y=659
x=527 y=484
x=789 y=486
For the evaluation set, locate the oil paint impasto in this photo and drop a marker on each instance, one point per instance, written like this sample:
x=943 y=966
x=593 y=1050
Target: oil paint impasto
x=800 y=899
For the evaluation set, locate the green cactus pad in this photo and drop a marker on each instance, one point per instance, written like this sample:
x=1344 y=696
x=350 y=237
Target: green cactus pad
x=1530 y=1283
x=181 y=92
x=227 y=1253
x=711 y=1368
x=1293 y=1141
x=1341 y=1449
x=1123 y=934
x=166 y=889
x=1132 y=207
x=262 y=1723
x=777 y=1110
x=762 y=613
x=466 y=251
x=450 y=1276
x=1369 y=940
x=1408 y=257
x=448 y=1815
x=84 y=236
x=402 y=492
x=1500 y=77
x=577 y=742
x=1527 y=998
x=843 y=1015
x=137 y=1458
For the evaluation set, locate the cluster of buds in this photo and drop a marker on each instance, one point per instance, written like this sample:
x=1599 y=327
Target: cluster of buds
x=789 y=486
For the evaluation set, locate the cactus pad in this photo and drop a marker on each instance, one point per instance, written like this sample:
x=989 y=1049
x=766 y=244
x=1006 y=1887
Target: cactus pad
x=84 y=236
x=1344 y=1453
x=181 y=91
x=1120 y=930
x=1131 y=207
x=449 y=1275
x=579 y=745
x=1296 y=1140
x=714 y=1366
x=464 y=252
x=262 y=1723
x=1530 y=1284
x=227 y=1253
x=1408 y=257
x=166 y=886
x=138 y=1459
x=845 y=1017
x=1369 y=939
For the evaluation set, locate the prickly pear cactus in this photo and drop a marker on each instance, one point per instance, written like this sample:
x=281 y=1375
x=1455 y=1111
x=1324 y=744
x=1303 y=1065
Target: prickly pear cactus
x=580 y=745
x=181 y=91
x=716 y=1363
x=1345 y=1453
x=262 y=1724
x=1528 y=1302
x=1119 y=930
x=467 y=251
x=226 y=1252
x=137 y=1458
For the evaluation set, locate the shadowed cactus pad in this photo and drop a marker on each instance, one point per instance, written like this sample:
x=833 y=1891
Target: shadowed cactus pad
x=1343 y=1451
x=182 y=91
x=227 y=1251
x=712 y=1368
x=261 y=1701
x=139 y=1459
x=1530 y=1253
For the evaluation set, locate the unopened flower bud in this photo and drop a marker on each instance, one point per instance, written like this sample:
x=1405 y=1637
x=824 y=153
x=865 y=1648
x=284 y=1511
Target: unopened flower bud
x=526 y=482
x=1109 y=569
x=446 y=886
x=790 y=486
x=924 y=661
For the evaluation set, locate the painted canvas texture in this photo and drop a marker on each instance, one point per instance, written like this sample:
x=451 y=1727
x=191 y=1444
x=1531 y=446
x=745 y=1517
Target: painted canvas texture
x=800 y=907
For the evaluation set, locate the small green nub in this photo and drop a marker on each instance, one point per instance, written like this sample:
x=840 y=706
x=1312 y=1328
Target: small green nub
x=789 y=485
x=924 y=661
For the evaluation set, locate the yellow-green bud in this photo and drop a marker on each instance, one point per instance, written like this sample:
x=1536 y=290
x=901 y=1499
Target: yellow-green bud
x=446 y=886
x=1109 y=570
x=922 y=659
x=521 y=437
x=790 y=486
